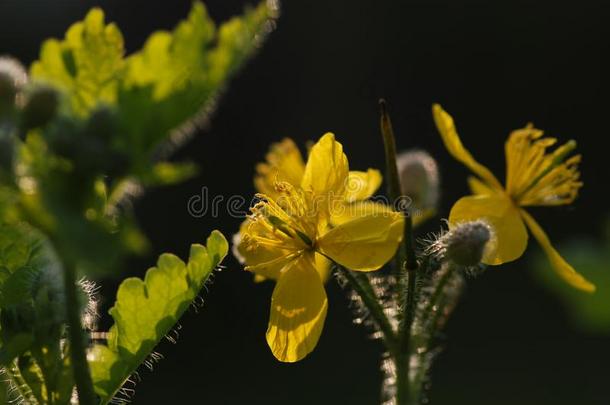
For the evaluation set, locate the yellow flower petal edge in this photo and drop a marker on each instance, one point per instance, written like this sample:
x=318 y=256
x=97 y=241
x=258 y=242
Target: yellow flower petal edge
x=348 y=212
x=446 y=127
x=364 y=243
x=298 y=311
x=510 y=236
x=563 y=268
x=478 y=187
x=284 y=162
x=327 y=169
x=362 y=185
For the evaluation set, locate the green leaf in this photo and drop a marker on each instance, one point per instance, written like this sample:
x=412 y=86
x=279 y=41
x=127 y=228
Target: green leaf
x=87 y=64
x=158 y=89
x=32 y=316
x=179 y=74
x=146 y=310
x=24 y=255
x=166 y=173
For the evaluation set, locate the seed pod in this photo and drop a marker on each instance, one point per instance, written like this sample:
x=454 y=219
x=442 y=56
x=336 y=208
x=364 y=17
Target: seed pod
x=419 y=178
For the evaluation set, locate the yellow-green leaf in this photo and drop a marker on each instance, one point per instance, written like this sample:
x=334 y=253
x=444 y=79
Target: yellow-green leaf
x=87 y=64
x=146 y=310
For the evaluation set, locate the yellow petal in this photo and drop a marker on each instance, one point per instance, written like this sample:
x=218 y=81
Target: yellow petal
x=323 y=266
x=362 y=185
x=283 y=163
x=298 y=311
x=364 y=243
x=452 y=142
x=563 y=268
x=327 y=168
x=343 y=213
x=478 y=187
x=510 y=236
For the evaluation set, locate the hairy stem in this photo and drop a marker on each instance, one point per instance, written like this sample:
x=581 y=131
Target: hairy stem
x=430 y=317
x=430 y=313
x=78 y=357
x=361 y=284
x=18 y=391
x=406 y=261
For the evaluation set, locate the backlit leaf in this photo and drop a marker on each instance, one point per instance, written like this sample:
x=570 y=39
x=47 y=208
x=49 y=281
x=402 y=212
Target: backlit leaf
x=146 y=310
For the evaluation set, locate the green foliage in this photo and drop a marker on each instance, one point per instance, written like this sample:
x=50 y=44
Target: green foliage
x=93 y=125
x=589 y=312
x=156 y=90
x=86 y=64
x=88 y=130
x=146 y=310
x=32 y=319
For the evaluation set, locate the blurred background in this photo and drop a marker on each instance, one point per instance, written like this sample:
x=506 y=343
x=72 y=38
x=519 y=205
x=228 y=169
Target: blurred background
x=517 y=337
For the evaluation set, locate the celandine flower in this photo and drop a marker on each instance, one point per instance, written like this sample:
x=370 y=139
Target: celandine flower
x=284 y=163
x=534 y=177
x=287 y=230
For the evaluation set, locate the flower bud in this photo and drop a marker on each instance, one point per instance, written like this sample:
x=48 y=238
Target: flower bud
x=40 y=106
x=12 y=79
x=465 y=243
x=419 y=178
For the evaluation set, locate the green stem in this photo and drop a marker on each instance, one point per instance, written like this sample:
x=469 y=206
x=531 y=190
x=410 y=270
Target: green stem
x=361 y=284
x=429 y=312
x=406 y=256
x=393 y=180
x=78 y=357
x=429 y=319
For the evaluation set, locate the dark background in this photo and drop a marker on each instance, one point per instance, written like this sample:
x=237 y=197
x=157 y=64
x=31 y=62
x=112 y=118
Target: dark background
x=494 y=65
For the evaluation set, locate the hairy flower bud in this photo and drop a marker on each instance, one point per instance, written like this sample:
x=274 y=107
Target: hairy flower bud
x=12 y=79
x=419 y=178
x=465 y=243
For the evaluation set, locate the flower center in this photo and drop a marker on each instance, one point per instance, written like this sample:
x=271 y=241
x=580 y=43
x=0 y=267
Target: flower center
x=535 y=177
x=287 y=222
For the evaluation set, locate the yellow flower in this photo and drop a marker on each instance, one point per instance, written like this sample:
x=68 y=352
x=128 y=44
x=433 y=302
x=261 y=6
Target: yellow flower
x=534 y=177
x=287 y=231
x=284 y=163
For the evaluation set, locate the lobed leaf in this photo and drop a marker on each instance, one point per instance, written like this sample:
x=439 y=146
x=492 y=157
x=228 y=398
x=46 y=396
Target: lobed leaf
x=87 y=64
x=146 y=310
x=32 y=316
x=158 y=89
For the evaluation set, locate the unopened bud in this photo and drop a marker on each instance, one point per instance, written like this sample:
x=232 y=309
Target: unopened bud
x=465 y=243
x=40 y=107
x=419 y=178
x=12 y=79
